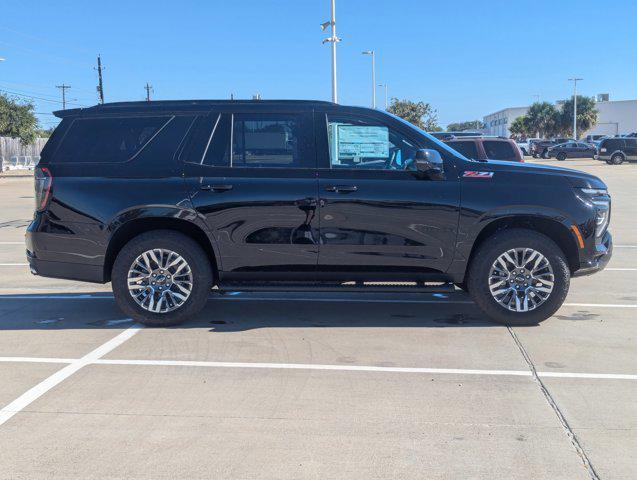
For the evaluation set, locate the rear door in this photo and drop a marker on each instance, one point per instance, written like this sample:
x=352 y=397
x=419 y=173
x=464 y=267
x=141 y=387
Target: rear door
x=252 y=177
x=379 y=218
x=631 y=148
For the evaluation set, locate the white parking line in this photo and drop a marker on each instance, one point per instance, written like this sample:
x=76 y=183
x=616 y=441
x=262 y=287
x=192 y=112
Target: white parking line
x=47 y=384
x=620 y=269
x=624 y=246
x=13 y=264
x=96 y=360
x=12 y=243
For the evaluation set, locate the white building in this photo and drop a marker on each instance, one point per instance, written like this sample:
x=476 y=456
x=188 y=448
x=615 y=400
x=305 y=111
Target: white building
x=613 y=117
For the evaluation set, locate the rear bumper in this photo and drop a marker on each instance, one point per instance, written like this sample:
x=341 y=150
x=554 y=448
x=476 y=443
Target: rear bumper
x=47 y=258
x=66 y=270
x=599 y=260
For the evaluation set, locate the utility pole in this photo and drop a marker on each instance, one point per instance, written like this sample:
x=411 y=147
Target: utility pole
x=148 y=89
x=333 y=40
x=575 y=80
x=373 y=54
x=100 y=85
x=64 y=88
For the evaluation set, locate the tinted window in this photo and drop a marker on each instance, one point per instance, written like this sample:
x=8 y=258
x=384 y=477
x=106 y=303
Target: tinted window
x=468 y=149
x=499 y=150
x=209 y=141
x=612 y=143
x=107 y=140
x=631 y=142
x=269 y=141
x=362 y=144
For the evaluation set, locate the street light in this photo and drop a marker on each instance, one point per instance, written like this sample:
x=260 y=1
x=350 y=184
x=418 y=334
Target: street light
x=333 y=40
x=575 y=80
x=371 y=52
x=384 y=85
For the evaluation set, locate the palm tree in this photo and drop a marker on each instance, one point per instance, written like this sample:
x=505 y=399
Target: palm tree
x=586 y=115
x=543 y=119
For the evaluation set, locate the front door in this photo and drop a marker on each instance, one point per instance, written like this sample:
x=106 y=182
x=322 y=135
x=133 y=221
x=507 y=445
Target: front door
x=379 y=218
x=252 y=178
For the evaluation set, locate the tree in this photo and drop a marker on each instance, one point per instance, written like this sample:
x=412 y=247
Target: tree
x=17 y=120
x=421 y=114
x=519 y=127
x=543 y=119
x=586 y=115
x=460 y=126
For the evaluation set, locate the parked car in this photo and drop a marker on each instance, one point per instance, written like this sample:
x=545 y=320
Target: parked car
x=485 y=148
x=166 y=199
x=594 y=138
x=451 y=135
x=572 y=150
x=617 y=150
x=525 y=145
x=540 y=149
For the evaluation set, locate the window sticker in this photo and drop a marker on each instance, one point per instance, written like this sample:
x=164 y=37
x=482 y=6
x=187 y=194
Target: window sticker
x=362 y=141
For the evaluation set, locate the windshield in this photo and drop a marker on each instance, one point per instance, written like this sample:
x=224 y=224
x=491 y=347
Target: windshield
x=437 y=144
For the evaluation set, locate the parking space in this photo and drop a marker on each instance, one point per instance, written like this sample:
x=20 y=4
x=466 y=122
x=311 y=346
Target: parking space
x=318 y=385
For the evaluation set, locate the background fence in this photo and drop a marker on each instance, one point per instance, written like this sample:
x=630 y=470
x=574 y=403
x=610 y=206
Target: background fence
x=12 y=146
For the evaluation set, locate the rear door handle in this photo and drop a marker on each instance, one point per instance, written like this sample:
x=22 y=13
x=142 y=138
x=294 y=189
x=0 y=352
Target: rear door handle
x=217 y=188
x=341 y=188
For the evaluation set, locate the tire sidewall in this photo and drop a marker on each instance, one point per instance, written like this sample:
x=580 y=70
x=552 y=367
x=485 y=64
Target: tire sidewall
x=179 y=243
x=486 y=256
x=617 y=159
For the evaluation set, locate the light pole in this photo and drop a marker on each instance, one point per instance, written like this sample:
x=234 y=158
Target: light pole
x=333 y=40
x=575 y=80
x=373 y=54
x=384 y=85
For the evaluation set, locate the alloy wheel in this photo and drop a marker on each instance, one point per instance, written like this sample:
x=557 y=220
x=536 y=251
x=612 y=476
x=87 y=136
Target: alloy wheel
x=521 y=279
x=160 y=280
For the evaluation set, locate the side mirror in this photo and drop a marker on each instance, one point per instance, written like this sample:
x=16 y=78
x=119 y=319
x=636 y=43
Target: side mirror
x=429 y=163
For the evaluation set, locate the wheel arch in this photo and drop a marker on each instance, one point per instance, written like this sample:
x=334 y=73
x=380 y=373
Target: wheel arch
x=554 y=229
x=132 y=228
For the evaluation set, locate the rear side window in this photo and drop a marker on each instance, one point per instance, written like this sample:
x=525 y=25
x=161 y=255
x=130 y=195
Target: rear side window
x=269 y=141
x=107 y=140
x=612 y=144
x=499 y=150
x=209 y=141
x=468 y=149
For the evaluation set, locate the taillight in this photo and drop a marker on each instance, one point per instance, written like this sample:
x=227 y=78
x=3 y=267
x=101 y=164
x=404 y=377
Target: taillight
x=43 y=181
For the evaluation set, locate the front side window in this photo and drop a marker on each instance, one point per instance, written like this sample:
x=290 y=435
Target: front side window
x=362 y=144
x=268 y=141
x=107 y=140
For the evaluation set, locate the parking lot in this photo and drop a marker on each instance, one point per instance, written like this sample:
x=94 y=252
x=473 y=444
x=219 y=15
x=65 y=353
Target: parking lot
x=318 y=385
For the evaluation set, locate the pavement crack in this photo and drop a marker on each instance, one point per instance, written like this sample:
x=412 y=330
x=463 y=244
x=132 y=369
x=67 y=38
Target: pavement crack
x=556 y=409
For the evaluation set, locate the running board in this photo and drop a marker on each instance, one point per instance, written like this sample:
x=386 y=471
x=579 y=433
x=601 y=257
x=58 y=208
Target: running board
x=348 y=287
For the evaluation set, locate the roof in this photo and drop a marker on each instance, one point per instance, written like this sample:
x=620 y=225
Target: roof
x=178 y=104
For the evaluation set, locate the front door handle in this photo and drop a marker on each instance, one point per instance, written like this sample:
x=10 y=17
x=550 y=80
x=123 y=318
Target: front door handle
x=217 y=188
x=341 y=188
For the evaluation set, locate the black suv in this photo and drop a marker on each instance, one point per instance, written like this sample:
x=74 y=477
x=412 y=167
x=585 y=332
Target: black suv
x=168 y=199
x=617 y=150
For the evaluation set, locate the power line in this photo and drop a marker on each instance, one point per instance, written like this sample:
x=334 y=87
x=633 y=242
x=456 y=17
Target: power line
x=33 y=97
x=64 y=88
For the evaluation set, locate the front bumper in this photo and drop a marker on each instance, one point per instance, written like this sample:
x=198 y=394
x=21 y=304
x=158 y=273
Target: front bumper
x=599 y=260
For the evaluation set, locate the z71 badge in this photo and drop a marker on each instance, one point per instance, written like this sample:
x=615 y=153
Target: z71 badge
x=475 y=174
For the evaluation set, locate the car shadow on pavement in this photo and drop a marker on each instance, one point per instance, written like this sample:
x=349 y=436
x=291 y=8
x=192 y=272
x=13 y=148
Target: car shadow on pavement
x=224 y=315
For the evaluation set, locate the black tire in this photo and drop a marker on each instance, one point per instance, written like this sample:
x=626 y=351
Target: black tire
x=487 y=254
x=545 y=155
x=617 y=159
x=535 y=155
x=191 y=251
x=561 y=157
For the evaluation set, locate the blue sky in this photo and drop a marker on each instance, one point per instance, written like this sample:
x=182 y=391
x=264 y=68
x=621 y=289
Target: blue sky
x=466 y=58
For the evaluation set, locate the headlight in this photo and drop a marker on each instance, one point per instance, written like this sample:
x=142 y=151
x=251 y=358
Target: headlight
x=601 y=200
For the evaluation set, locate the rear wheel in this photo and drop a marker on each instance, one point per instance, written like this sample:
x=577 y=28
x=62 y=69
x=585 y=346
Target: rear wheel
x=617 y=159
x=561 y=157
x=161 y=278
x=519 y=277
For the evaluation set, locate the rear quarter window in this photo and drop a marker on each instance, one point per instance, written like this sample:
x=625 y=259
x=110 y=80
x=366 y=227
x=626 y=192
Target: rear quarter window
x=496 y=150
x=468 y=149
x=107 y=140
x=612 y=144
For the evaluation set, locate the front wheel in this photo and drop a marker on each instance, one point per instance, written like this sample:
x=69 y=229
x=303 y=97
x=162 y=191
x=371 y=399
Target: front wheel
x=519 y=277
x=561 y=157
x=161 y=278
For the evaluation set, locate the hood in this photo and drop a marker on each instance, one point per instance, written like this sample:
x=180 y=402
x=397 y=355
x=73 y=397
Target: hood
x=576 y=178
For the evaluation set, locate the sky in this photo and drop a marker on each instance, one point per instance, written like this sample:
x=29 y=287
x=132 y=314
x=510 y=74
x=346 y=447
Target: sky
x=466 y=58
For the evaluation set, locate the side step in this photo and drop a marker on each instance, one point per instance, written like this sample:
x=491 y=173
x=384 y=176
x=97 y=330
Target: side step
x=361 y=287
